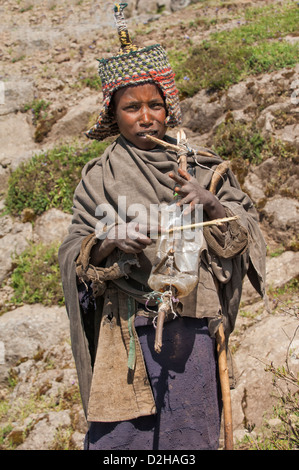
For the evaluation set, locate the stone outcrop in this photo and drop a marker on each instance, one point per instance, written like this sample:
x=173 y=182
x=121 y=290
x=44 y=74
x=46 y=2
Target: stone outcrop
x=267 y=342
x=52 y=226
x=14 y=240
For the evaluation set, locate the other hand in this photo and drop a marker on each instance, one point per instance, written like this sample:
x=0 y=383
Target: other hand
x=192 y=193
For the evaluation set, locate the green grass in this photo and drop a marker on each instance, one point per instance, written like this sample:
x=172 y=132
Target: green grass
x=94 y=82
x=49 y=179
x=89 y=78
x=38 y=109
x=289 y=288
x=244 y=146
x=235 y=140
x=36 y=277
x=227 y=57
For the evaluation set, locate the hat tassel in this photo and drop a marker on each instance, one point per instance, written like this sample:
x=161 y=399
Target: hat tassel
x=123 y=33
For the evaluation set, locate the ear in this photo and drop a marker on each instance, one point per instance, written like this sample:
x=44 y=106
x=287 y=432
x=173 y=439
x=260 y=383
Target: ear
x=112 y=110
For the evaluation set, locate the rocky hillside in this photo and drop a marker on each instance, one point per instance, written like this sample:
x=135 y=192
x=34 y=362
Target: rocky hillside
x=49 y=95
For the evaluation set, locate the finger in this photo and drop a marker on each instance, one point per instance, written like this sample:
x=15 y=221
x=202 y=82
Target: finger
x=136 y=231
x=177 y=178
x=130 y=249
x=139 y=238
x=188 y=197
x=186 y=189
x=179 y=190
x=189 y=209
x=136 y=235
x=144 y=241
x=182 y=203
x=185 y=174
x=133 y=246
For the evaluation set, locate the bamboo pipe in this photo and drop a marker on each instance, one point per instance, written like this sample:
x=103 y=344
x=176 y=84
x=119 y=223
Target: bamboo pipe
x=202 y=224
x=176 y=148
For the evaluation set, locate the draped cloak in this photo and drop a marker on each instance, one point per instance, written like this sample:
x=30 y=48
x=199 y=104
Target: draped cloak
x=142 y=177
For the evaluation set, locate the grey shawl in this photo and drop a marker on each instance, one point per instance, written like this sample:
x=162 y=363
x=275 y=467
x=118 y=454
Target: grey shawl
x=142 y=176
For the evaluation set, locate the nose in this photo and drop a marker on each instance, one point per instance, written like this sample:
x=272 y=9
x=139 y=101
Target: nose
x=146 y=118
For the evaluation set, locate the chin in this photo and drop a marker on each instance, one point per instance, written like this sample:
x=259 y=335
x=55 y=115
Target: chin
x=145 y=145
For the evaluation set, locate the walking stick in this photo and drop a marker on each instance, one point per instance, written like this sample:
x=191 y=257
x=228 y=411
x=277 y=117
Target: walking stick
x=221 y=347
x=225 y=389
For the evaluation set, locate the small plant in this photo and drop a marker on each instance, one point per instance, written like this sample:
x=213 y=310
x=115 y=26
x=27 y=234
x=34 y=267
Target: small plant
x=26 y=8
x=38 y=109
x=17 y=59
x=90 y=79
x=4 y=432
x=93 y=82
x=62 y=439
x=277 y=252
x=285 y=436
x=238 y=140
x=289 y=288
x=25 y=411
x=43 y=117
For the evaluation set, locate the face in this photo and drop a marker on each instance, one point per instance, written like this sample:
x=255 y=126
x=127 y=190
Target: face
x=140 y=110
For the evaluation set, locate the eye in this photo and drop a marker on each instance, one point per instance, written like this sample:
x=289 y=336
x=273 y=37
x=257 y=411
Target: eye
x=157 y=105
x=132 y=107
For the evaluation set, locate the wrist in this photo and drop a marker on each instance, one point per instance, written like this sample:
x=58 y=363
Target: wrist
x=101 y=250
x=108 y=243
x=214 y=208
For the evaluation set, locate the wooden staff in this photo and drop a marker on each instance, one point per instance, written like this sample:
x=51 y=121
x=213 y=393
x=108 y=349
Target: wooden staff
x=225 y=389
x=221 y=346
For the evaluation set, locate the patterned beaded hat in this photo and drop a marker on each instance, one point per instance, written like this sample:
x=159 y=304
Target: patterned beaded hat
x=133 y=66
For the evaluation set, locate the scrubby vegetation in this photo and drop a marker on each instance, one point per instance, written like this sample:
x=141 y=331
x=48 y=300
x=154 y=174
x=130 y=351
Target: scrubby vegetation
x=36 y=405
x=244 y=146
x=36 y=277
x=257 y=45
x=38 y=109
x=49 y=179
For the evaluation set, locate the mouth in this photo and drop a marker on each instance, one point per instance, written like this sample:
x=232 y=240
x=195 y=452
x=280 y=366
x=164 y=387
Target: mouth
x=145 y=133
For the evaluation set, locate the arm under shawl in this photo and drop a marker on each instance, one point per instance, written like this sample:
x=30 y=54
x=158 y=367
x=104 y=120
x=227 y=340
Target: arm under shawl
x=83 y=225
x=236 y=253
